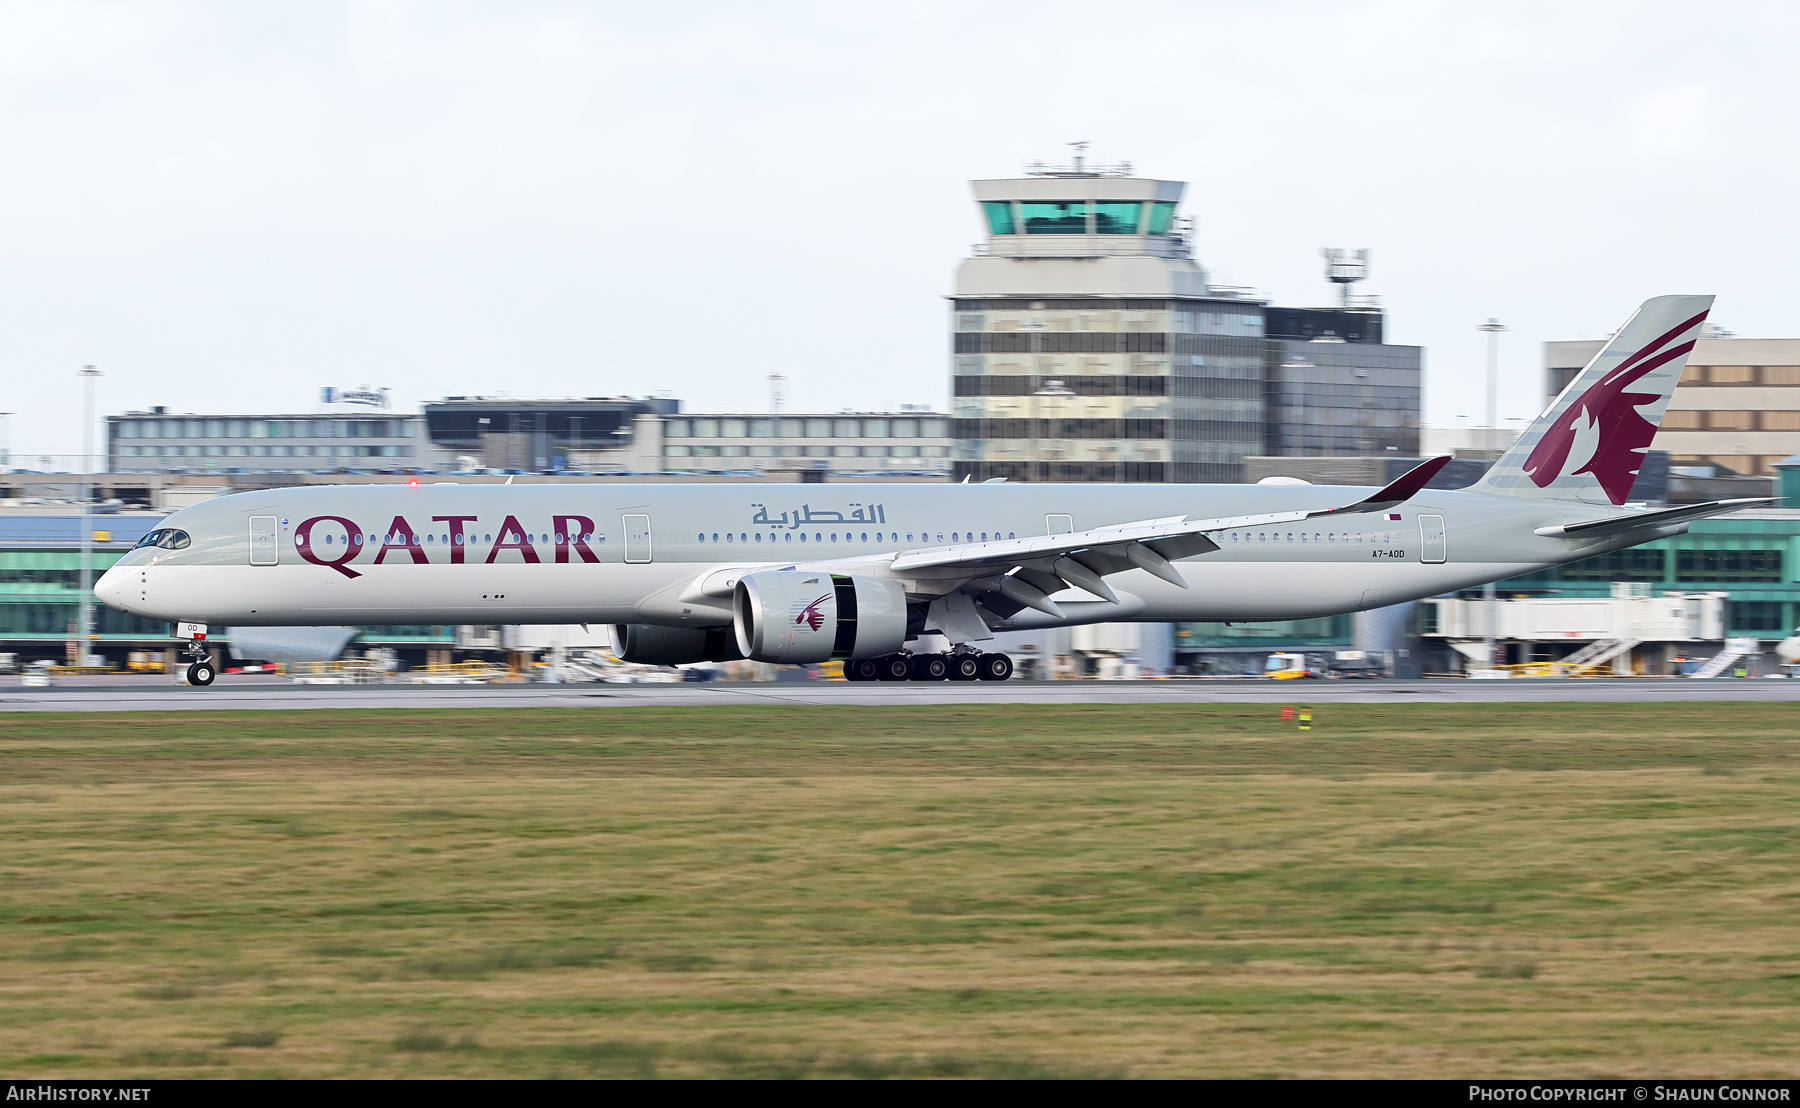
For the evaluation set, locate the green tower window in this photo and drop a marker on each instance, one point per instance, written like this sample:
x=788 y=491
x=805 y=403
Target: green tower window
x=1054 y=217
x=1162 y=214
x=1117 y=218
x=999 y=217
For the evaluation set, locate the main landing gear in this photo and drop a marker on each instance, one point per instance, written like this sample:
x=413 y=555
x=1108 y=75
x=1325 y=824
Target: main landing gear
x=930 y=667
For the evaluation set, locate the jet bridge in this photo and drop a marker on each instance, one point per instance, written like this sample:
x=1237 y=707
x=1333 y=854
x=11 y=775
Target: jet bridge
x=1631 y=631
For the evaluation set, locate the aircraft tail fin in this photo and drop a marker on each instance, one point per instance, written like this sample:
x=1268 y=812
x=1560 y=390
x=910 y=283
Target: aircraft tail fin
x=1590 y=443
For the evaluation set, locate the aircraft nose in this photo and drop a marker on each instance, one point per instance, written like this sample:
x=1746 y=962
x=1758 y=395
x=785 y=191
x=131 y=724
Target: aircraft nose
x=110 y=589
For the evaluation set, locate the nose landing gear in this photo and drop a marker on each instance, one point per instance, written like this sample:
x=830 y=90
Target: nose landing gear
x=201 y=670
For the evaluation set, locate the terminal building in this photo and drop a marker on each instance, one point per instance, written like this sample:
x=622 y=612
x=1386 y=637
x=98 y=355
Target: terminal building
x=161 y=441
x=618 y=436
x=1088 y=344
x=819 y=445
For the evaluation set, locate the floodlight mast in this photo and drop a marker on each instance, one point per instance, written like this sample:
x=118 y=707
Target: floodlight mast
x=1493 y=328
x=85 y=630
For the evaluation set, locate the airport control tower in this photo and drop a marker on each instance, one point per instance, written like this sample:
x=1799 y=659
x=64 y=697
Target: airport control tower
x=1089 y=345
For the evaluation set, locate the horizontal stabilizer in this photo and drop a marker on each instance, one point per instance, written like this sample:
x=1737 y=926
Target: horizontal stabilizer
x=1639 y=521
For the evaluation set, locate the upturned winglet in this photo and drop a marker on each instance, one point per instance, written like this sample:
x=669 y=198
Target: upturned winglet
x=1397 y=491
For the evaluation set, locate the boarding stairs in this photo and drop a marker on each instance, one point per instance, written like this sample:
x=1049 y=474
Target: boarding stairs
x=1588 y=660
x=458 y=673
x=348 y=671
x=1720 y=662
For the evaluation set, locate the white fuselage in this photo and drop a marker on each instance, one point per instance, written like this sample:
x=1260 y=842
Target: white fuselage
x=539 y=554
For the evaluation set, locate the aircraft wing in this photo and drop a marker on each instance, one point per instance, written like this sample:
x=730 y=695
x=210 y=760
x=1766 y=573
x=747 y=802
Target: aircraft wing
x=1028 y=570
x=1637 y=521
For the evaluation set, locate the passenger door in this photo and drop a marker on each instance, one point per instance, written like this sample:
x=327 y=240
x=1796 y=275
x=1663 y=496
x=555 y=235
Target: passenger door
x=263 y=550
x=1432 y=544
x=637 y=538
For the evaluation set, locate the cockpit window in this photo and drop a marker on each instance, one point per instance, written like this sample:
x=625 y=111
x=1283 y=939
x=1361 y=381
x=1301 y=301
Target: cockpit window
x=168 y=538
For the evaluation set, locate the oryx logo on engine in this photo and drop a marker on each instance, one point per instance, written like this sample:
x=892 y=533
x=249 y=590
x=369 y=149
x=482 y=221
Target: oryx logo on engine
x=810 y=615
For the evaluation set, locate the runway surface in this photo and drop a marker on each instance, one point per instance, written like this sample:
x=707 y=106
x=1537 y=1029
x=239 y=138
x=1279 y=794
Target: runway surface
x=118 y=694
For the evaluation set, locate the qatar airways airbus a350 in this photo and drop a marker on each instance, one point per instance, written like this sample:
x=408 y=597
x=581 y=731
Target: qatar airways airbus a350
x=800 y=573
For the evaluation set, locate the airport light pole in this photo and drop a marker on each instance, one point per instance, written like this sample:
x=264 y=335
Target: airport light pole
x=1493 y=327
x=85 y=629
x=5 y=454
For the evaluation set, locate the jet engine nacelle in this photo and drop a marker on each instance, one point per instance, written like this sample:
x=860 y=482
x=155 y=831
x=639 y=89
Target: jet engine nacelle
x=650 y=645
x=787 y=616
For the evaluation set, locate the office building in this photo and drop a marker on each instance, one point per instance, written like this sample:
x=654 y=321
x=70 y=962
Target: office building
x=842 y=444
x=161 y=441
x=1335 y=389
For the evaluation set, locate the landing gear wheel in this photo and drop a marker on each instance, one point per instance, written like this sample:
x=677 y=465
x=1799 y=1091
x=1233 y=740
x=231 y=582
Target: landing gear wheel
x=964 y=667
x=863 y=669
x=200 y=673
x=995 y=667
x=929 y=667
x=894 y=667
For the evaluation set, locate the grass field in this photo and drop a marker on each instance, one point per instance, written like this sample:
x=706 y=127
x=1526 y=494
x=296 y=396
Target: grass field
x=1430 y=890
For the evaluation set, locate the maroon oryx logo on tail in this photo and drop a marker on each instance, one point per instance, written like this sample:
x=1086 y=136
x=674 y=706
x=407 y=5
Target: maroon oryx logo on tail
x=1601 y=432
x=810 y=615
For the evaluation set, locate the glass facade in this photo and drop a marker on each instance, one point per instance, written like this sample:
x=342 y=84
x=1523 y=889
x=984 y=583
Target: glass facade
x=1128 y=390
x=1072 y=217
x=1342 y=399
x=1116 y=218
x=1054 y=217
x=851 y=442
x=145 y=444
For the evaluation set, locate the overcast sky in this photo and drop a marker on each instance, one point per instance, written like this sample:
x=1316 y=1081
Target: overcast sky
x=227 y=205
